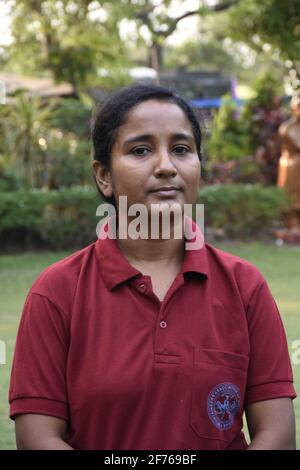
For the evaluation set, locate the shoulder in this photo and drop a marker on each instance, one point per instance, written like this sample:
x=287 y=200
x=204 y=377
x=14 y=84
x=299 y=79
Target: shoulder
x=232 y=275
x=58 y=282
x=229 y=268
x=233 y=263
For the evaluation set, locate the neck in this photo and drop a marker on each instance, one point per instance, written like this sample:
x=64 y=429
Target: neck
x=151 y=251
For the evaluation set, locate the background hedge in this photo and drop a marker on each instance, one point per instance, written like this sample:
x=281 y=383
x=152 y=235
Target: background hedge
x=67 y=217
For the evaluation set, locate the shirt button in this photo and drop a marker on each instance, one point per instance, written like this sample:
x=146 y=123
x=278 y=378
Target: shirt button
x=142 y=287
x=163 y=324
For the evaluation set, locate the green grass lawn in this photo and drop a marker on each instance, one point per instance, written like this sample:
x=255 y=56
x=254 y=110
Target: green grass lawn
x=280 y=266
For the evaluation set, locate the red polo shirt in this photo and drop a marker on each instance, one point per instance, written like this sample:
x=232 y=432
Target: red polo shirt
x=97 y=348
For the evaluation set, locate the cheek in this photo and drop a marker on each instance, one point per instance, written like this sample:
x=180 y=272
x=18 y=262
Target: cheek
x=193 y=175
x=128 y=177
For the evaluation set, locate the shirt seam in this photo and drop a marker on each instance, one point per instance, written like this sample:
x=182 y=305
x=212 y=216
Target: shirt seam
x=59 y=309
x=23 y=397
x=253 y=293
x=289 y=381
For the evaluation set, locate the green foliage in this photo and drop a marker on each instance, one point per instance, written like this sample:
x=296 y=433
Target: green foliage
x=229 y=139
x=73 y=39
x=68 y=39
x=24 y=128
x=237 y=133
x=9 y=180
x=44 y=145
x=49 y=218
x=267 y=88
x=270 y=21
x=72 y=115
x=205 y=53
x=20 y=212
x=67 y=217
x=69 y=160
x=242 y=210
x=261 y=114
x=4 y=147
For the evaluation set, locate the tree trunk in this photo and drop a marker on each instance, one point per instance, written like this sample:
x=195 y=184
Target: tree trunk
x=156 y=59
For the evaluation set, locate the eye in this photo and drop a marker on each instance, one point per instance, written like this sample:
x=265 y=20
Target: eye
x=181 y=150
x=140 y=151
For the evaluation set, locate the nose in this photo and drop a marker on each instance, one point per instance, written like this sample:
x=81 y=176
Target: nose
x=164 y=165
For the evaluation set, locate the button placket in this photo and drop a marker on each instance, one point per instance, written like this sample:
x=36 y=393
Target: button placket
x=161 y=331
x=142 y=287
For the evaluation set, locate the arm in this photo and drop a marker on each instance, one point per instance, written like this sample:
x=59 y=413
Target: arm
x=270 y=417
x=271 y=424
x=40 y=432
x=38 y=388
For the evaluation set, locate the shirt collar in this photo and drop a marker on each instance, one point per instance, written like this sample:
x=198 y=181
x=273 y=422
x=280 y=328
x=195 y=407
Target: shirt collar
x=195 y=260
x=116 y=269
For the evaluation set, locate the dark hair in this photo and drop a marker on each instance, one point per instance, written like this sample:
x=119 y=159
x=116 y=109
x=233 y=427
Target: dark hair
x=113 y=114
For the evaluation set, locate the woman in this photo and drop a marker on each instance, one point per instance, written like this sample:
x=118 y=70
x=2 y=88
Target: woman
x=141 y=343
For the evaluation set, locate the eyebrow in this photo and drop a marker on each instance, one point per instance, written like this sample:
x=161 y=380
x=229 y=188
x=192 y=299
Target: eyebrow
x=149 y=137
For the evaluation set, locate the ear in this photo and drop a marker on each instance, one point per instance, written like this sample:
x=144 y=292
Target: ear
x=103 y=178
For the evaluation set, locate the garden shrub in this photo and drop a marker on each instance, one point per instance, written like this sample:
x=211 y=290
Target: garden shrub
x=52 y=219
x=242 y=210
x=67 y=217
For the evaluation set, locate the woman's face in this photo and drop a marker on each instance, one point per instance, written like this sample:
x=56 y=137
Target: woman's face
x=154 y=158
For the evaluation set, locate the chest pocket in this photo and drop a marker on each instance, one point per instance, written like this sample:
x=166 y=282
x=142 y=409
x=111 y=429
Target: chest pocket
x=218 y=391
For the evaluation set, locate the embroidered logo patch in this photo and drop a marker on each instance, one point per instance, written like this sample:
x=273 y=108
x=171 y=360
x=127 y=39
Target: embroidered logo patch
x=222 y=405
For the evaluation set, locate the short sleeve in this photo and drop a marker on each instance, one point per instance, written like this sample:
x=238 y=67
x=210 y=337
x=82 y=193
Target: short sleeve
x=38 y=376
x=270 y=373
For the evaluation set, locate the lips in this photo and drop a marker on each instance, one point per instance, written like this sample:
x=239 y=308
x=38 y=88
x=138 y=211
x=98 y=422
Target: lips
x=166 y=191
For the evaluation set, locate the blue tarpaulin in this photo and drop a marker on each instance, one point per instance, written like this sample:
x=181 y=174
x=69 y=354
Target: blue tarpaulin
x=206 y=103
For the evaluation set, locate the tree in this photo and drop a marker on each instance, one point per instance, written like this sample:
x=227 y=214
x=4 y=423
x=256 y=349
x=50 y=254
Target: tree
x=271 y=24
x=74 y=39
x=70 y=39
x=213 y=48
x=24 y=128
x=156 y=18
x=192 y=55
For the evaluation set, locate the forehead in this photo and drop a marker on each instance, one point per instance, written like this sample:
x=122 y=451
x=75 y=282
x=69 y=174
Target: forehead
x=154 y=116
